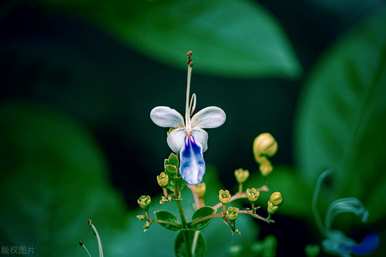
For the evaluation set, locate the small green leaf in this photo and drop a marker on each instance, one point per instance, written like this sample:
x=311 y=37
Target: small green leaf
x=197 y=218
x=173 y=160
x=167 y=220
x=189 y=243
x=171 y=170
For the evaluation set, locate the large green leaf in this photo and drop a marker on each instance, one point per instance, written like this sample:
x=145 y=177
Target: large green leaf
x=52 y=180
x=342 y=119
x=232 y=38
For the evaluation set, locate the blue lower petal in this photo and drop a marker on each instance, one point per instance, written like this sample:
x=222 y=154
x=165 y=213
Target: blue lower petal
x=192 y=164
x=367 y=246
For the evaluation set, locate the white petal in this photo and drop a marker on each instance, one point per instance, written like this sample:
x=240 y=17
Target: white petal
x=176 y=139
x=209 y=117
x=201 y=136
x=166 y=117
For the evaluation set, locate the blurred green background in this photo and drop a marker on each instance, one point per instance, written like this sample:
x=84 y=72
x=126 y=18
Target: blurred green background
x=79 y=78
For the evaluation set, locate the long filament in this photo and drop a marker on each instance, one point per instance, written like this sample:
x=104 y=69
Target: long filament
x=189 y=76
x=192 y=105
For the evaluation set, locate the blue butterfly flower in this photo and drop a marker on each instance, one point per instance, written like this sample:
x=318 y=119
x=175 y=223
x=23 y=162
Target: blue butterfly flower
x=188 y=137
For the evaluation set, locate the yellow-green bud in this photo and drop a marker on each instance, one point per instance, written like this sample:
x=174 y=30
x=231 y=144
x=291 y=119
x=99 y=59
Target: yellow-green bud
x=264 y=144
x=232 y=213
x=200 y=189
x=141 y=217
x=144 y=201
x=163 y=179
x=241 y=175
x=224 y=196
x=276 y=198
x=272 y=208
x=265 y=166
x=253 y=194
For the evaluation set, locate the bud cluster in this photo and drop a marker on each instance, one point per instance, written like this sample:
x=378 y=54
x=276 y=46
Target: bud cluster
x=172 y=184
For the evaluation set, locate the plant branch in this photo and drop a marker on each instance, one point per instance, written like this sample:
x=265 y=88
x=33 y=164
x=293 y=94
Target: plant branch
x=241 y=195
x=212 y=216
x=255 y=215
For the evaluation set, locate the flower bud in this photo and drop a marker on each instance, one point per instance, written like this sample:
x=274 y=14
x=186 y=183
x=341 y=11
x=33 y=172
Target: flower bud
x=265 y=166
x=163 y=179
x=200 y=189
x=264 y=144
x=272 y=208
x=224 y=196
x=144 y=201
x=276 y=198
x=141 y=217
x=253 y=194
x=232 y=213
x=241 y=175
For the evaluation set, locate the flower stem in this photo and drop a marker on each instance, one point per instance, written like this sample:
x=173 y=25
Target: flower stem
x=240 y=187
x=179 y=206
x=181 y=212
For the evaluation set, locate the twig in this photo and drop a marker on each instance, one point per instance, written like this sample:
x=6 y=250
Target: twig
x=212 y=216
x=241 y=195
x=255 y=215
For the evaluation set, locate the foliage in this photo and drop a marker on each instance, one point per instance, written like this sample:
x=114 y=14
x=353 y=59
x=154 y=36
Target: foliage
x=341 y=122
x=231 y=38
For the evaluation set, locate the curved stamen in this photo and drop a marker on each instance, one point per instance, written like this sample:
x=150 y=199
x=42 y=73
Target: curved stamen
x=192 y=105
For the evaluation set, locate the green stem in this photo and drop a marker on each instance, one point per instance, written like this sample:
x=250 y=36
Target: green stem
x=182 y=214
x=179 y=206
x=240 y=188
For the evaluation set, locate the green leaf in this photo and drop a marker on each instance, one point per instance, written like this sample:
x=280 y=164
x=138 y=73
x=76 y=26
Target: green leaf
x=189 y=243
x=203 y=212
x=53 y=179
x=167 y=220
x=342 y=119
x=231 y=38
x=173 y=160
x=171 y=170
